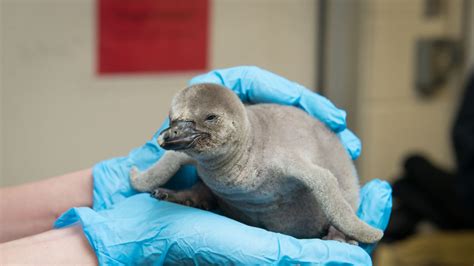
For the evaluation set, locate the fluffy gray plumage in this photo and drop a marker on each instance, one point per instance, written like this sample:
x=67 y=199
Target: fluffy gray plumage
x=265 y=165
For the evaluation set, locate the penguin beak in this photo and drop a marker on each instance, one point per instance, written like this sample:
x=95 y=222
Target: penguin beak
x=180 y=135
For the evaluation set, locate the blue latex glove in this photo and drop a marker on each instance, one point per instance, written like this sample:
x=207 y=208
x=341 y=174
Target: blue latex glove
x=251 y=84
x=142 y=230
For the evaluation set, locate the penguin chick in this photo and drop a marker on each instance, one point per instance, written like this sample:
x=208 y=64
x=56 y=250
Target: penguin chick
x=265 y=165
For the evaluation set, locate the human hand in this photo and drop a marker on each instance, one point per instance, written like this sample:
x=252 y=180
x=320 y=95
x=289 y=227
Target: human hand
x=142 y=230
x=251 y=84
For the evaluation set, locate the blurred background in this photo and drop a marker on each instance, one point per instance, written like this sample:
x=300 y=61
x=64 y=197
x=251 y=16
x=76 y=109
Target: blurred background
x=398 y=67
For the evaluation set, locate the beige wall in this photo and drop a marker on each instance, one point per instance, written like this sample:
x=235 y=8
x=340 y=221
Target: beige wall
x=58 y=116
x=342 y=55
x=391 y=119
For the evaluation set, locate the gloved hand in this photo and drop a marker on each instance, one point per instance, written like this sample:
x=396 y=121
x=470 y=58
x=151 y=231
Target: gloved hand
x=141 y=230
x=251 y=84
x=125 y=228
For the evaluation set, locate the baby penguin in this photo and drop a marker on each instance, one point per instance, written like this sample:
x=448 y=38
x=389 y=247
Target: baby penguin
x=265 y=165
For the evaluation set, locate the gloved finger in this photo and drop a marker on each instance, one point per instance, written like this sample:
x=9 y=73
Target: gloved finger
x=351 y=143
x=375 y=206
x=111 y=177
x=256 y=85
x=142 y=230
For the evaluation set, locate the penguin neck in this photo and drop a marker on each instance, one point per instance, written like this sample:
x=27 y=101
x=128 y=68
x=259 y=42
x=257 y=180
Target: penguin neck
x=231 y=162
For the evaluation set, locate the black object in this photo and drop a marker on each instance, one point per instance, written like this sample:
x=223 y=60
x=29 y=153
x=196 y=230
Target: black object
x=463 y=140
x=428 y=193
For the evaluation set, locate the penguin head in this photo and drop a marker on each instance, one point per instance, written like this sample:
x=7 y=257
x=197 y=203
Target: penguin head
x=206 y=120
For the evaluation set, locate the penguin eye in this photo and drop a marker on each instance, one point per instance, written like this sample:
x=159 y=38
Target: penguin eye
x=211 y=117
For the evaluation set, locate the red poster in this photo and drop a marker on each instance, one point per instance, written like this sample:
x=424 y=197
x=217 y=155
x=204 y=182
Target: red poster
x=152 y=35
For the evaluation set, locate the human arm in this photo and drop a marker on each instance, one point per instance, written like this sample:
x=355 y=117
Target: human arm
x=32 y=208
x=58 y=247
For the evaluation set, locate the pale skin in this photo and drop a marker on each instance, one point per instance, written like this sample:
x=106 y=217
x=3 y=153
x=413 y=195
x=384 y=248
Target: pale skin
x=27 y=213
